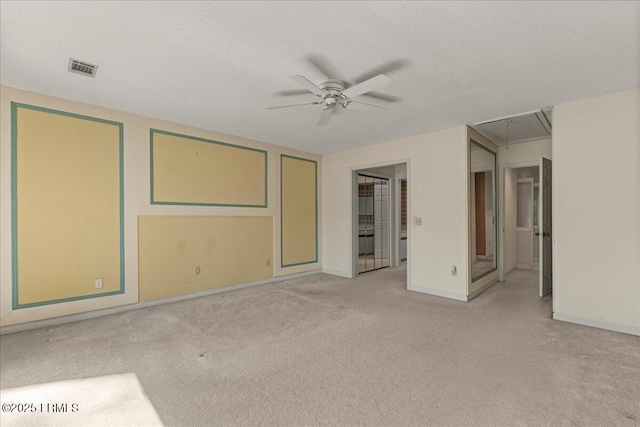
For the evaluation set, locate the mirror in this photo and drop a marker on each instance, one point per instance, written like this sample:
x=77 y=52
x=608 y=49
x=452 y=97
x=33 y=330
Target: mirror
x=483 y=210
x=373 y=223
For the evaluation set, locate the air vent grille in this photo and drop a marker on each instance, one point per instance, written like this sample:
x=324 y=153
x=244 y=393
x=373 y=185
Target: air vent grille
x=84 y=68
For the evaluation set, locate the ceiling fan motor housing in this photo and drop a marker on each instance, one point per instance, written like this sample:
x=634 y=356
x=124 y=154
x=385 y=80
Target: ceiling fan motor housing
x=332 y=87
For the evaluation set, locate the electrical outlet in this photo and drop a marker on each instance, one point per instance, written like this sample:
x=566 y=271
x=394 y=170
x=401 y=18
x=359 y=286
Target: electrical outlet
x=268 y=262
x=418 y=221
x=98 y=283
x=196 y=270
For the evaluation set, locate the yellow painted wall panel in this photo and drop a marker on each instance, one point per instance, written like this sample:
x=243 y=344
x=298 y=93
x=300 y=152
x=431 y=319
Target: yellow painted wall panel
x=299 y=211
x=188 y=170
x=68 y=206
x=229 y=250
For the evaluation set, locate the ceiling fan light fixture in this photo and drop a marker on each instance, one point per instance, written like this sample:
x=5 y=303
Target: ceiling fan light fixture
x=333 y=92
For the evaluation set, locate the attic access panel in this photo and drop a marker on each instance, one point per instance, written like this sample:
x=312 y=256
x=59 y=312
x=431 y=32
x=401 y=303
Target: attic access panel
x=522 y=128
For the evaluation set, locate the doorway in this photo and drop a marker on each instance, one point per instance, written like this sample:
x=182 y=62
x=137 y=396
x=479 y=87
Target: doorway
x=526 y=224
x=378 y=227
x=525 y=238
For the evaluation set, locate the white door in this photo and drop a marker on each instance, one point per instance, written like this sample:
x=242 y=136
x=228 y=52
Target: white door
x=545 y=236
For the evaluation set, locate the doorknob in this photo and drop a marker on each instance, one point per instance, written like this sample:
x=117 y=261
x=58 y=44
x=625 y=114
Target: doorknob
x=546 y=234
x=537 y=234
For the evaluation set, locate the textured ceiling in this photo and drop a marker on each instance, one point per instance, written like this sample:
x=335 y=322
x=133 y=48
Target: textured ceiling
x=218 y=65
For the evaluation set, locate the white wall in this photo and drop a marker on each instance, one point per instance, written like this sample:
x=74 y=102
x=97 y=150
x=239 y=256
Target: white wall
x=437 y=180
x=596 y=214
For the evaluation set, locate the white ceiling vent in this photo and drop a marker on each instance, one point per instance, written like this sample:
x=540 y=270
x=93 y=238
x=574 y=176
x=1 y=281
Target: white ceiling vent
x=83 y=68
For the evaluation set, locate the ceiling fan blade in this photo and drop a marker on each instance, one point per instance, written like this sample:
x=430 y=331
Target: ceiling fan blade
x=305 y=83
x=292 y=92
x=367 y=86
x=293 y=105
x=388 y=68
x=363 y=106
x=383 y=97
x=326 y=67
x=325 y=116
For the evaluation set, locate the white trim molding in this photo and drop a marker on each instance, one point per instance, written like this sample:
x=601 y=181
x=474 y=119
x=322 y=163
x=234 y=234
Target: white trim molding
x=452 y=295
x=337 y=273
x=601 y=324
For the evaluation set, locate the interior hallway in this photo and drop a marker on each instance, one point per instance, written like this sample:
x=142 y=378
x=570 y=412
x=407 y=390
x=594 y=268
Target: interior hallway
x=327 y=350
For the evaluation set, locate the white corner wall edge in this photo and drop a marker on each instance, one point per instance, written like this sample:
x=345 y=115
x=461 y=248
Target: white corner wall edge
x=44 y=323
x=438 y=293
x=625 y=329
x=336 y=273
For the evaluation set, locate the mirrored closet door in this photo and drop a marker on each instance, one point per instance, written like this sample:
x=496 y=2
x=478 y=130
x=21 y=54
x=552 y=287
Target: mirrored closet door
x=373 y=223
x=483 y=210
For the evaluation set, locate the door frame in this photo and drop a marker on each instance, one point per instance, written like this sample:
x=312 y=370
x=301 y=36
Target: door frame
x=353 y=170
x=398 y=222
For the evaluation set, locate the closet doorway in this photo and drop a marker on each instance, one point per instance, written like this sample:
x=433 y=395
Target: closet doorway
x=374 y=219
x=526 y=241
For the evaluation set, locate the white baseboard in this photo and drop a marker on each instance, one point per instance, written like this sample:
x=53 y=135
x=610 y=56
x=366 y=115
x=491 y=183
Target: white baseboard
x=44 y=323
x=336 y=273
x=438 y=293
x=625 y=329
x=451 y=295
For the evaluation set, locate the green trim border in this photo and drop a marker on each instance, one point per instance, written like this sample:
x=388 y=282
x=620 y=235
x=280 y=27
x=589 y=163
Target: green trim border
x=14 y=204
x=282 y=265
x=210 y=141
x=495 y=207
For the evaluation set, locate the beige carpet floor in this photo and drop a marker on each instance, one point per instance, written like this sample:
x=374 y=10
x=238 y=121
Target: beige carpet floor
x=326 y=350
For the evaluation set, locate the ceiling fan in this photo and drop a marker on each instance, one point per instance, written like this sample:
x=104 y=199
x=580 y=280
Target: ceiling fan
x=333 y=94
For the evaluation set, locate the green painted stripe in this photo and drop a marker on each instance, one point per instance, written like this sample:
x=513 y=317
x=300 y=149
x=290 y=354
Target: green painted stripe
x=151 y=200
x=14 y=203
x=282 y=265
x=65 y=113
x=14 y=206
x=61 y=300
x=195 y=138
x=207 y=204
